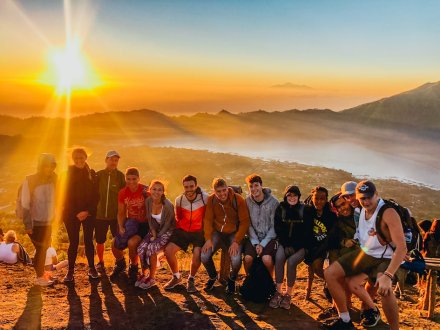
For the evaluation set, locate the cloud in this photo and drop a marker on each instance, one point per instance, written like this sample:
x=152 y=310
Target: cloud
x=292 y=86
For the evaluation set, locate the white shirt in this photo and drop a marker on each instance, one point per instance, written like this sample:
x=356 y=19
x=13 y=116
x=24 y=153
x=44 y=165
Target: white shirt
x=6 y=253
x=49 y=254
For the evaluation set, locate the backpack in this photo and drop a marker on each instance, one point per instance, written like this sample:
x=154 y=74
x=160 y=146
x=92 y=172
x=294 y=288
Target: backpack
x=19 y=211
x=405 y=219
x=258 y=285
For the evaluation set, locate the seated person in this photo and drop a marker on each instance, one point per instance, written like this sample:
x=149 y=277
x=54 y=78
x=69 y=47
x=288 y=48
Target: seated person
x=9 y=249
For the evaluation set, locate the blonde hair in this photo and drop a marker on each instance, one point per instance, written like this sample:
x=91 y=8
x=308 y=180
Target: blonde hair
x=10 y=236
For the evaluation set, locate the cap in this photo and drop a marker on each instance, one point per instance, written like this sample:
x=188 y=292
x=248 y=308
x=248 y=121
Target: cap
x=348 y=188
x=112 y=153
x=335 y=198
x=292 y=189
x=365 y=189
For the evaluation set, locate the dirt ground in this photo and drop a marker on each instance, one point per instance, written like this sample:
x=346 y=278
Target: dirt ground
x=101 y=304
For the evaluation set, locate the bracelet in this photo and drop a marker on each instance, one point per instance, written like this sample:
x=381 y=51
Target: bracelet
x=389 y=275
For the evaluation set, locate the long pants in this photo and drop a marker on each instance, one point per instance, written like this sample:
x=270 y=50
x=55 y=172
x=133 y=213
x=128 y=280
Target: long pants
x=40 y=237
x=221 y=241
x=293 y=260
x=73 y=227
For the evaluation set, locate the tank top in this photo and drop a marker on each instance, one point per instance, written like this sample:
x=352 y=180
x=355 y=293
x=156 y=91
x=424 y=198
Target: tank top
x=6 y=253
x=368 y=237
x=157 y=217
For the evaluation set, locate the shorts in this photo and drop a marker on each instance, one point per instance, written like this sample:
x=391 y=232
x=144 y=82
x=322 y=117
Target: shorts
x=132 y=228
x=184 y=238
x=357 y=262
x=314 y=253
x=269 y=250
x=101 y=229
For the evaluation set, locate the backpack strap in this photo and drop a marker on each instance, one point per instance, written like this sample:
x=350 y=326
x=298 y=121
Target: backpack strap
x=379 y=221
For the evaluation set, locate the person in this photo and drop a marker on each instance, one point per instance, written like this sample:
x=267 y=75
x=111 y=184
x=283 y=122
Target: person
x=132 y=224
x=190 y=210
x=290 y=229
x=348 y=191
x=9 y=249
x=261 y=235
x=225 y=224
x=79 y=210
x=161 y=221
x=51 y=262
x=377 y=258
x=38 y=204
x=110 y=182
x=431 y=241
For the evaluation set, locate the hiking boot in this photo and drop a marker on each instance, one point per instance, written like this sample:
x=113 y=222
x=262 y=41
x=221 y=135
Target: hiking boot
x=119 y=268
x=370 y=317
x=42 y=281
x=100 y=267
x=69 y=277
x=147 y=283
x=230 y=286
x=275 y=300
x=210 y=284
x=328 y=313
x=190 y=285
x=285 y=301
x=327 y=294
x=173 y=283
x=133 y=272
x=338 y=324
x=93 y=273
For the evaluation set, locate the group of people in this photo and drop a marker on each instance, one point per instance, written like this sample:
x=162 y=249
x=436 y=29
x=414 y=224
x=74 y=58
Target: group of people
x=364 y=253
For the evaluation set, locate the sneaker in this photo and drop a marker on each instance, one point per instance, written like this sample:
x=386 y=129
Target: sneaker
x=327 y=294
x=190 y=285
x=133 y=272
x=173 y=283
x=371 y=317
x=100 y=267
x=285 y=301
x=230 y=286
x=328 y=313
x=140 y=279
x=147 y=283
x=275 y=300
x=42 y=281
x=93 y=273
x=210 y=284
x=69 y=277
x=119 y=268
x=338 y=324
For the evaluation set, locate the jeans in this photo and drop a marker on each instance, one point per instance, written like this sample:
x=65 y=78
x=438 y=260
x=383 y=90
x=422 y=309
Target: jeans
x=40 y=237
x=221 y=241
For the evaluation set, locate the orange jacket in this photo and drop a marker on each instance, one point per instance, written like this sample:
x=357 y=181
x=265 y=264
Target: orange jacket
x=230 y=217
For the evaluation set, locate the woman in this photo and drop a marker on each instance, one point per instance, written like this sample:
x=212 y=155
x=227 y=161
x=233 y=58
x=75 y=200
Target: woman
x=290 y=227
x=161 y=220
x=80 y=210
x=9 y=249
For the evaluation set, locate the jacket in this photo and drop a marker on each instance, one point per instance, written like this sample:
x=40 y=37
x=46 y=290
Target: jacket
x=189 y=214
x=168 y=220
x=109 y=184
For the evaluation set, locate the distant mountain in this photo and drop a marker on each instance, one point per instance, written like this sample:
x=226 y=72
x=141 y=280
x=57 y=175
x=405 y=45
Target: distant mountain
x=419 y=108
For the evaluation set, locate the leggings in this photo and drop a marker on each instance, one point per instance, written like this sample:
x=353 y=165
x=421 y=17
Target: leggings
x=73 y=227
x=293 y=260
x=40 y=237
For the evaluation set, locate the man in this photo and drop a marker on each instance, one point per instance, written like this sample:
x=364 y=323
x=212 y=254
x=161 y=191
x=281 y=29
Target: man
x=38 y=206
x=225 y=224
x=132 y=223
x=348 y=191
x=378 y=259
x=190 y=210
x=110 y=182
x=261 y=205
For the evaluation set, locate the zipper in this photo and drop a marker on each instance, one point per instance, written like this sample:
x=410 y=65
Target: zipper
x=108 y=191
x=191 y=215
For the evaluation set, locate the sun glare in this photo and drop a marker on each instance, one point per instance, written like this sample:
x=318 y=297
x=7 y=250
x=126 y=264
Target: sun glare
x=69 y=71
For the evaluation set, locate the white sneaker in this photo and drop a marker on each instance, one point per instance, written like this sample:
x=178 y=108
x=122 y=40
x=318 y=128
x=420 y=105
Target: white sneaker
x=41 y=281
x=147 y=283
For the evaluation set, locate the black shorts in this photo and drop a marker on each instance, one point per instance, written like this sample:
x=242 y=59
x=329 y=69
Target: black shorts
x=184 y=238
x=269 y=250
x=357 y=262
x=101 y=229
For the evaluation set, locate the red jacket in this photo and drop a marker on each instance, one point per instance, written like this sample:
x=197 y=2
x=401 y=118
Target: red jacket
x=189 y=215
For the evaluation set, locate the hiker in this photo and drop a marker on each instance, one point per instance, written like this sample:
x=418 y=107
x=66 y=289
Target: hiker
x=190 y=210
x=382 y=250
x=225 y=224
x=37 y=202
x=161 y=221
x=51 y=262
x=132 y=224
x=9 y=249
x=290 y=229
x=81 y=197
x=110 y=182
x=431 y=241
x=348 y=191
x=261 y=235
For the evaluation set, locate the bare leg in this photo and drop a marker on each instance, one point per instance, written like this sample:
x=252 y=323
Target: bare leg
x=196 y=261
x=335 y=278
x=247 y=263
x=268 y=262
x=153 y=265
x=133 y=244
x=390 y=309
x=100 y=252
x=356 y=285
x=170 y=253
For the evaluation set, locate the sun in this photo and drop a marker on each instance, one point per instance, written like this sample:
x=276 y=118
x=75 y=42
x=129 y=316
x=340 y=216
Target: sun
x=68 y=70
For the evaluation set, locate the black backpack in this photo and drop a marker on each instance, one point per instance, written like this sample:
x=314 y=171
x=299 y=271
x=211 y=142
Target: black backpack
x=258 y=285
x=404 y=215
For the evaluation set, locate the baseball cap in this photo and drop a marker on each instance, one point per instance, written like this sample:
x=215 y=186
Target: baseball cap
x=348 y=188
x=112 y=153
x=365 y=189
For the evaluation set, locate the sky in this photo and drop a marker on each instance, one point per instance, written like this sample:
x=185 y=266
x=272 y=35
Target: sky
x=205 y=56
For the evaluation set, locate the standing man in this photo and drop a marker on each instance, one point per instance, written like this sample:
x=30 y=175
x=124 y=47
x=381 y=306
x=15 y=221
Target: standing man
x=225 y=224
x=38 y=210
x=261 y=205
x=377 y=259
x=110 y=182
x=190 y=210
